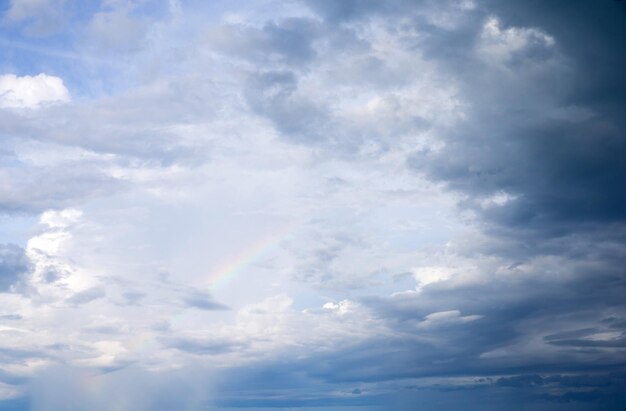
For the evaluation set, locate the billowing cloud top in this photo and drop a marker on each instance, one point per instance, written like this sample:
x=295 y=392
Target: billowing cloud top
x=31 y=91
x=383 y=205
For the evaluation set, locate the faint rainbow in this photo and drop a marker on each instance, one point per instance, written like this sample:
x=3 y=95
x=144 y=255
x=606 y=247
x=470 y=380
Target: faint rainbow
x=224 y=273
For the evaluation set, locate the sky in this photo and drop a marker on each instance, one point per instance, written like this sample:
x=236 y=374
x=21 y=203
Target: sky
x=312 y=205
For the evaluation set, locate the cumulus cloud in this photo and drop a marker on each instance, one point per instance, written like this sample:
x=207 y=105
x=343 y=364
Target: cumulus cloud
x=31 y=91
x=500 y=46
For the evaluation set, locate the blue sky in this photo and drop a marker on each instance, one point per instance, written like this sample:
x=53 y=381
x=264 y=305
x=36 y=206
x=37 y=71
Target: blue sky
x=312 y=205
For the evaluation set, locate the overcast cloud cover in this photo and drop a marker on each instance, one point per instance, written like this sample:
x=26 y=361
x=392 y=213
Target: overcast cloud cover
x=312 y=204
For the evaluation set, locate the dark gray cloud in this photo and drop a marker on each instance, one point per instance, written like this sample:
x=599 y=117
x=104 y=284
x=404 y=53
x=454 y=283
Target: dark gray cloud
x=287 y=383
x=564 y=310
x=539 y=159
x=546 y=126
x=565 y=169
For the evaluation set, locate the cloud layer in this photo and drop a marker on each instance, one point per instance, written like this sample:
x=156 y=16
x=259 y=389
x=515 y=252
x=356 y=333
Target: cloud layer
x=315 y=204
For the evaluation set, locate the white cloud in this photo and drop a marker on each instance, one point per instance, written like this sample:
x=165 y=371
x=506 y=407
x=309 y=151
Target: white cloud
x=341 y=308
x=497 y=199
x=273 y=324
x=432 y=274
x=31 y=91
x=60 y=219
x=498 y=45
x=447 y=318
